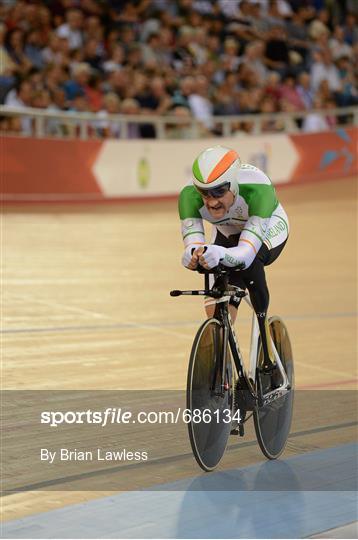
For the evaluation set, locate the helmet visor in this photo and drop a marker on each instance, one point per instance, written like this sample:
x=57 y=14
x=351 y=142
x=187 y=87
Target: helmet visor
x=215 y=192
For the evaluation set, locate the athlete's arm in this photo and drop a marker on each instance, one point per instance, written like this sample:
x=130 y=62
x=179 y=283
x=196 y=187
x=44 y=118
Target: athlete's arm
x=262 y=202
x=192 y=227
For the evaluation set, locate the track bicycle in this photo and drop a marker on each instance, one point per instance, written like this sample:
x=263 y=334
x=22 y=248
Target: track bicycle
x=221 y=395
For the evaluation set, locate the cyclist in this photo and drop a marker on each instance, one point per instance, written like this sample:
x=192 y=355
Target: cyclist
x=250 y=227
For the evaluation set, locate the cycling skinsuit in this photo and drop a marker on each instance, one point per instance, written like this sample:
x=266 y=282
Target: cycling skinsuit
x=255 y=229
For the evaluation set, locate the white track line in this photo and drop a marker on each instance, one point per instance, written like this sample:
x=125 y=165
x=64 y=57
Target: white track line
x=94 y=314
x=101 y=316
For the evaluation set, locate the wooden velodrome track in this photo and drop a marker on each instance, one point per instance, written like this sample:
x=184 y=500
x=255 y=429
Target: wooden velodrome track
x=86 y=306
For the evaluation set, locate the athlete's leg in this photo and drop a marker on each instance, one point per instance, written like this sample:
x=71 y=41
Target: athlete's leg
x=255 y=281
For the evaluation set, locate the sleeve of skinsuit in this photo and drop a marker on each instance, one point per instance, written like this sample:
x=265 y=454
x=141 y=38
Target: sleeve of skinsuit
x=261 y=200
x=192 y=227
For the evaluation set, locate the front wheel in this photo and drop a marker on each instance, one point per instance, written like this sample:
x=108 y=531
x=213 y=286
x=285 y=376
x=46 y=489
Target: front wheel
x=210 y=409
x=273 y=421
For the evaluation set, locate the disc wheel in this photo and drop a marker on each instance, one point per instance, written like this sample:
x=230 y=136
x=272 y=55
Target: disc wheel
x=209 y=428
x=273 y=421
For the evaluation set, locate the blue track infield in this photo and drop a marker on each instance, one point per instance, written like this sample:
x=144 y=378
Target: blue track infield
x=270 y=504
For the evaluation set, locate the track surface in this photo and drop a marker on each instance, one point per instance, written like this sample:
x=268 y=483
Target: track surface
x=87 y=307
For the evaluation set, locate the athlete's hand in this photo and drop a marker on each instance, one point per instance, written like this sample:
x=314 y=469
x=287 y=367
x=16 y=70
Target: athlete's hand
x=190 y=257
x=211 y=257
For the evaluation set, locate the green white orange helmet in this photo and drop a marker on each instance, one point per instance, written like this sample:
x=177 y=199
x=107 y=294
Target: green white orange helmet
x=216 y=167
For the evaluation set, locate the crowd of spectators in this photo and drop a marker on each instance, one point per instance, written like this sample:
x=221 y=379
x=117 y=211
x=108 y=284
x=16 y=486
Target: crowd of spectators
x=186 y=58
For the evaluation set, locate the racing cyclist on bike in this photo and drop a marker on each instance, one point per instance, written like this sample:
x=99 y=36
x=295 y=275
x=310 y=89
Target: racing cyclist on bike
x=250 y=227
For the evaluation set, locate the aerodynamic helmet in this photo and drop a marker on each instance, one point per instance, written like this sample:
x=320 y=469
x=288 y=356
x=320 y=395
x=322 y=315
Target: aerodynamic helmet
x=215 y=171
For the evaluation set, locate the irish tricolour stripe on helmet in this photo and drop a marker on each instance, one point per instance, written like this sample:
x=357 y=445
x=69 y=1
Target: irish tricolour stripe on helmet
x=215 y=166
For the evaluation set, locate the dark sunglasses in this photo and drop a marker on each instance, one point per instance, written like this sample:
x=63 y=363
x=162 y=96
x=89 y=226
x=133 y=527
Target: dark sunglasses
x=216 y=192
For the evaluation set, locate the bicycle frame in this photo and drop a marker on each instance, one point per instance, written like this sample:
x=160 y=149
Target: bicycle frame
x=229 y=336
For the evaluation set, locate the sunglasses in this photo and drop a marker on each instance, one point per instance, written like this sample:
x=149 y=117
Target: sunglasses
x=216 y=192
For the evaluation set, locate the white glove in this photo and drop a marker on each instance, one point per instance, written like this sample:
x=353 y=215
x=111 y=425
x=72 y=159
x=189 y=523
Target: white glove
x=212 y=256
x=187 y=255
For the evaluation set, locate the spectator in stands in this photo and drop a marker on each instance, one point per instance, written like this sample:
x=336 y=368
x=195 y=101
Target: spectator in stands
x=181 y=95
x=72 y=29
x=314 y=121
x=254 y=57
x=276 y=54
x=55 y=77
x=243 y=27
x=298 y=32
x=323 y=92
x=118 y=82
x=268 y=106
x=116 y=60
x=319 y=25
x=155 y=99
x=229 y=9
x=14 y=44
x=134 y=57
x=93 y=29
x=94 y=93
x=338 y=46
x=350 y=29
x=331 y=119
x=104 y=126
x=79 y=103
x=324 y=68
x=290 y=94
x=21 y=97
x=183 y=59
x=222 y=56
x=274 y=17
x=33 y=49
x=200 y=103
x=304 y=90
x=272 y=87
x=131 y=107
x=151 y=50
x=77 y=85
x=41 y=99
x=52 y=53
x=349 y=93
x=230 y=58
x=8 y=68
x=181 y=130
x=225 y=100
x=93 y=55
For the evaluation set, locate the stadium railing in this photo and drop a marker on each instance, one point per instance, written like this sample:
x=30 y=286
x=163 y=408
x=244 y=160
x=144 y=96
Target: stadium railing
x=85 y=125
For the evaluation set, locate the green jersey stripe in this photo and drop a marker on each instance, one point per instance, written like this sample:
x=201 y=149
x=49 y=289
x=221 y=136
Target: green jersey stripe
x=252 y=232
x=193 y=232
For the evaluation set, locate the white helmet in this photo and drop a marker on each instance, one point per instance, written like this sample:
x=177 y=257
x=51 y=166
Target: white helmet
x=216 y=167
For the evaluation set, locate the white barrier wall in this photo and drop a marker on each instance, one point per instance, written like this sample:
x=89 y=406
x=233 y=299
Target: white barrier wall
x=132 y=168
x=65 y=170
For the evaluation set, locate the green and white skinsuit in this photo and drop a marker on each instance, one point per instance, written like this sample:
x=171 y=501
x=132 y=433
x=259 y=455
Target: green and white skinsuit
x=256 y=215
